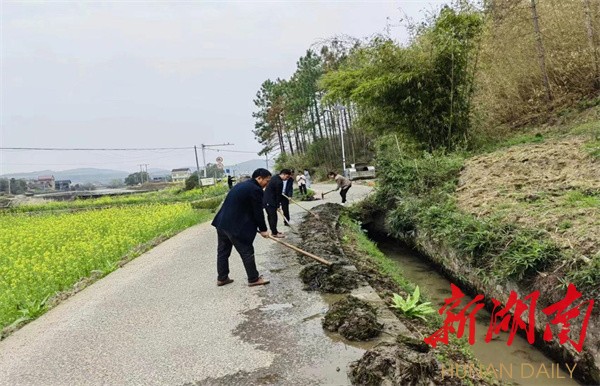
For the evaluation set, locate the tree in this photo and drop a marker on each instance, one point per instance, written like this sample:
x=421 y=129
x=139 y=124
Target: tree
x=213 y=171
x=116 y=183
x=136 y=178
x=16 y=186
x=422 y=90
x=192 y=181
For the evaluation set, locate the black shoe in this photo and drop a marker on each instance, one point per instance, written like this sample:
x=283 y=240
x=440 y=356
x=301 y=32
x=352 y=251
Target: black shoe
x=224 y=282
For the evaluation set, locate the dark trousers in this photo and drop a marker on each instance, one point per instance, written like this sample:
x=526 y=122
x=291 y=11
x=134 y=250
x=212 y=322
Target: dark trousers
x=272 y=218
x=343 y=193
x=302 y=189
x=245 y=249
x=285 y=207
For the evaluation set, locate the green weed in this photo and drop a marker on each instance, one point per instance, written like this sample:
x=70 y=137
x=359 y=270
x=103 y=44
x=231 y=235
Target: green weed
x=411 y=307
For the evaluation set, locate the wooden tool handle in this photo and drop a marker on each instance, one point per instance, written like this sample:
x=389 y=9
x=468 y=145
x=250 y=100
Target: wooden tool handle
x=294 y=202
x=317 y=258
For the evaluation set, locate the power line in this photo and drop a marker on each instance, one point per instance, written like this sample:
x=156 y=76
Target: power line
x=94 y=149
x=234 y=151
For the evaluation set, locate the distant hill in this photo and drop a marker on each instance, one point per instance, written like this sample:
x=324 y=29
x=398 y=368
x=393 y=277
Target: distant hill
x=105 y=176
x=248 y=167
x=84 y=175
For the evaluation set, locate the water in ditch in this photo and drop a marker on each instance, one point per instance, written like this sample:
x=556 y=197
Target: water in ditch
x=529 y=366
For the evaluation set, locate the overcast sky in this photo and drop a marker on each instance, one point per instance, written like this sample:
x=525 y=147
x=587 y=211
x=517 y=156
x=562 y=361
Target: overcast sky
x=156 y=73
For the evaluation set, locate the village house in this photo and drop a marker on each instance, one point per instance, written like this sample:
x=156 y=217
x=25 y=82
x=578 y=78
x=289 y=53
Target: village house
x=63 y=185
x=180 y=175
x=46 y=182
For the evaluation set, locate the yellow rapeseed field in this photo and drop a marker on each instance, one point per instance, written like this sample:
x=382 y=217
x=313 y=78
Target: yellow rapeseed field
x=41 y=255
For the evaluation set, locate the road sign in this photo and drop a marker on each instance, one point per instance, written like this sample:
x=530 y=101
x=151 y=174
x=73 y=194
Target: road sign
x=207 y=181
x=220 y=166
x=219 y=159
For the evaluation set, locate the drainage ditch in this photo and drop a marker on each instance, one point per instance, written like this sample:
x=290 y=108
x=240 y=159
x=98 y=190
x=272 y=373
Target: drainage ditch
x=531 y=367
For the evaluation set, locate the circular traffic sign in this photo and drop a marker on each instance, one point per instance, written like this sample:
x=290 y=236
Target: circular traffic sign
x=219 y=159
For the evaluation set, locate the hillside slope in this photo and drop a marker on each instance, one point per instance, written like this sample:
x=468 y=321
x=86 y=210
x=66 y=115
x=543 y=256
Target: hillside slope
x=553 y=185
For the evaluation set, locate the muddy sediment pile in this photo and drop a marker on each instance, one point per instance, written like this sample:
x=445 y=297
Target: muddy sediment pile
x=394 y=364
x=320 y=234
x=335 y=279
x=408 y=361
x=352 y=318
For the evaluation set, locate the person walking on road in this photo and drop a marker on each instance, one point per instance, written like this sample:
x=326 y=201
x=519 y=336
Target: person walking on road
x=308 y=180
x=288 y=190
x=343 y=184
x=237 y=223
x=230 y=181
x=301 y=179
x=272 y=200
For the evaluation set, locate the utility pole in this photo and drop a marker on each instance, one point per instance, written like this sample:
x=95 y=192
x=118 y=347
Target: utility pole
x=342 y=108
x=142 y=166
x=267 y=160
x=204 y=153
x=197 y=164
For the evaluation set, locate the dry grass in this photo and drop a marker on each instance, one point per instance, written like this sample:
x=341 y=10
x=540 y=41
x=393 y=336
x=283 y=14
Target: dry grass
x=553 y=185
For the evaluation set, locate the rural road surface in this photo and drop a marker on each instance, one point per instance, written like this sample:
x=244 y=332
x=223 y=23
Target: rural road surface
x=161 y=320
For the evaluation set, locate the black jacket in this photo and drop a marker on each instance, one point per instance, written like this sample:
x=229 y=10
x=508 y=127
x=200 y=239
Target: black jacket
x=242 y=212
x=273 y=192
x=289 y=188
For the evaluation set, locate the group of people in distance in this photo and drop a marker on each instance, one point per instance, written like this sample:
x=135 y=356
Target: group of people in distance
x=241 y=216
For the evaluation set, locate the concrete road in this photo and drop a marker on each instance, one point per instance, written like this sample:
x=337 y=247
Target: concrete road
x=161 y=320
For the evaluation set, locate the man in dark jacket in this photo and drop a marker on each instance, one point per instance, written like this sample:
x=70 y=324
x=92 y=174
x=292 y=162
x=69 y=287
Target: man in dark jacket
x=237 y=223
x=288 y=190
x=272 y=200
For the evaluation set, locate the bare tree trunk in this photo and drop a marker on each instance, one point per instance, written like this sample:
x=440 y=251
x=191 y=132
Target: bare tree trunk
x=281 y=130
x=312 y=123
x=280 y=137
x=540 y=49
x=297 y=139
x=592 y=41
x=318 y=116
x=350 y=134
x=289 y=138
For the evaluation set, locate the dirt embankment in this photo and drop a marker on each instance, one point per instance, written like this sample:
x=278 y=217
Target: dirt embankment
x=404 y=360
x=554 y=185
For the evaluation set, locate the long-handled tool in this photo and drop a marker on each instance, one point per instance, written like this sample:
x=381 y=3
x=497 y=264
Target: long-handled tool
x=286 y=220
x=293 y=247
x=294 y=202
x=323 y=194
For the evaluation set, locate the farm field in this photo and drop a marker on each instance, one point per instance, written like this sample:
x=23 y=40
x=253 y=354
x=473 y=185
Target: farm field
x=45 y=253
x=170 y=195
